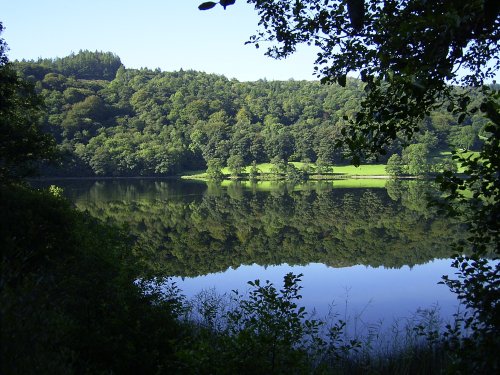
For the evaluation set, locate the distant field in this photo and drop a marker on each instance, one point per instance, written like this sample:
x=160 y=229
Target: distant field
x=346 y=170
x=263 y=167
x=463 y=153
x=362 y=170
x=193 y=173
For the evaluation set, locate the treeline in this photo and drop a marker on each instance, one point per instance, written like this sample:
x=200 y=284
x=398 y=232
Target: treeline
x=113 y=121
x=83 y=65
x=211 y=229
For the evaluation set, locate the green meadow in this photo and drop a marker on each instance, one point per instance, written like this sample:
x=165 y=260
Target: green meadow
x=340 y=172
x=336 y=172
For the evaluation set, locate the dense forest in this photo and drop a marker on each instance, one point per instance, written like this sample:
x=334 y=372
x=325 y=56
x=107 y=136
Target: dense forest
x=113 y=121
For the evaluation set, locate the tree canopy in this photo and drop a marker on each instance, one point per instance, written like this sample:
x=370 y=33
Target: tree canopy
x=109 y=118
x=82 y=65
x=148 y=122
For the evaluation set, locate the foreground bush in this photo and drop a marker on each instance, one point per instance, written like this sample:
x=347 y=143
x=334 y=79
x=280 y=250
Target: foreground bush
x=68 y=299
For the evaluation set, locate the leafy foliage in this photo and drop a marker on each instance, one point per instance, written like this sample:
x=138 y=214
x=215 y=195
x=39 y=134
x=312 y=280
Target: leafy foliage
x=269 y=325
x=407 y=53
x=69 y=301
x=83 y=65
x=72 y=300
x=210 y=4
x=69 y=297
x=477 y=284
x=266 y=332
x=22 y=143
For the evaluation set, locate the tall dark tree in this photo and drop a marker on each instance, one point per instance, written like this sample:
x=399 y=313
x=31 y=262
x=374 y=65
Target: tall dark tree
x=22 y=144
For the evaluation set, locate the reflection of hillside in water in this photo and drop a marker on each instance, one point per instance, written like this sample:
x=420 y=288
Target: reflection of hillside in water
x=187 y=229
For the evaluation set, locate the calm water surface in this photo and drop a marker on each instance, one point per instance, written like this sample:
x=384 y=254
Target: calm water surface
x=374 y=254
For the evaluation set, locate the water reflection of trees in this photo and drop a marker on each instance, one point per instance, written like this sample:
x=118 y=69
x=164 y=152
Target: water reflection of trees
x=209 y=230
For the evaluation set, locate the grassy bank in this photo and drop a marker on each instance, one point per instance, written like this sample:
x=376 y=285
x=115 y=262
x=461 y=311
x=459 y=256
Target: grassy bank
x=330 y=173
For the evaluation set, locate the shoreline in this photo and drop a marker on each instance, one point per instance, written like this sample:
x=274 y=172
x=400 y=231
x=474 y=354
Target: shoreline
x=202 y=177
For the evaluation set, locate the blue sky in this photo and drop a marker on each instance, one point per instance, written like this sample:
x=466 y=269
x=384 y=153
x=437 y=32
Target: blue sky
x=165 y=34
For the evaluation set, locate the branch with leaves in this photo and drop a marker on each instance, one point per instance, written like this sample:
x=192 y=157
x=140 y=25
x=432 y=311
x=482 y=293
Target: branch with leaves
x=210 y=4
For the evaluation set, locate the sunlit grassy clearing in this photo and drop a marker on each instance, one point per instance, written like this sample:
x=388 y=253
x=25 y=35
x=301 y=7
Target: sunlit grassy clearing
x=362 y=170
x=463 y=153
x=194 y=173
x=341 y=170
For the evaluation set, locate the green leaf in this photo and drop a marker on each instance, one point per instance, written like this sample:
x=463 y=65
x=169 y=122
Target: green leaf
x=207 y=5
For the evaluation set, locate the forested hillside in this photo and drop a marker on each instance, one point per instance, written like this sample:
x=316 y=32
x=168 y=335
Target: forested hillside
x=113 y=121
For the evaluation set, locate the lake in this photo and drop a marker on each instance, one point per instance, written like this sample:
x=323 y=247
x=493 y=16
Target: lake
x=370 y=254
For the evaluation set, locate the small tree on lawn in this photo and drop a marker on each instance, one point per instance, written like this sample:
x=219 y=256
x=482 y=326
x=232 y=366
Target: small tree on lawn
x=323 y=167
x=395 y=166
x=235 y=163
x=415 y=158
x=254 y=171
x=214 y=169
